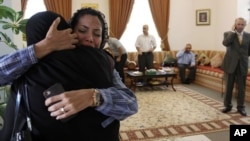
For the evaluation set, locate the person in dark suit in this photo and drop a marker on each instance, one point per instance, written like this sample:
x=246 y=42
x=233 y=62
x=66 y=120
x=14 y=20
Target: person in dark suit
x=235 y=64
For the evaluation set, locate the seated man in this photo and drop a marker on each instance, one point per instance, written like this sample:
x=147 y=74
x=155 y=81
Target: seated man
x=186 y=60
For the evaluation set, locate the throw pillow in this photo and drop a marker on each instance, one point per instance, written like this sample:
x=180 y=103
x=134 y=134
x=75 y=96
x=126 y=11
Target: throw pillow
x=203 y=59
x=216 y=61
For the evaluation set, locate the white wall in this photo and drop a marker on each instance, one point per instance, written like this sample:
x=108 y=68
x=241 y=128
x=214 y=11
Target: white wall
x=203 y=36
x=182 y=23
x=183 y=28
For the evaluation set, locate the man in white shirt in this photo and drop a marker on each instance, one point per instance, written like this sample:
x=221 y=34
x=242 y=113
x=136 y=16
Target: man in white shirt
x=145 y=45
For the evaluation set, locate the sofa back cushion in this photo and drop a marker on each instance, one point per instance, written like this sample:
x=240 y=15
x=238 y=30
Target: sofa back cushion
x=160 y=55
x=216 y=61
x=203 y=59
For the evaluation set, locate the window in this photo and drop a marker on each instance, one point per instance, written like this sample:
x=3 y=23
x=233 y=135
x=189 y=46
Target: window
x=32 y=8
x=134 y=28
x=137 y=19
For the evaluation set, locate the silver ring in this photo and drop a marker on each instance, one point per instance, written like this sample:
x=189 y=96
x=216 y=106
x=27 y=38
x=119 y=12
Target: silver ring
x=62 y=109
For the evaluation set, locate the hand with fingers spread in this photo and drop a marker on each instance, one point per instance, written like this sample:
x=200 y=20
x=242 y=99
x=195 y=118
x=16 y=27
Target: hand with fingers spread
x=56 y=40
x=21 y=60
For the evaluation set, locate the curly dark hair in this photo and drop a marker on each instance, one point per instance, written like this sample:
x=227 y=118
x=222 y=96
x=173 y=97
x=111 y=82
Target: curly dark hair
x=90 y=11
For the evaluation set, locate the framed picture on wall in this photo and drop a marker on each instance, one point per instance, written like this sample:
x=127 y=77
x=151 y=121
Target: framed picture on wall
x=203 y=17
x=92 y=5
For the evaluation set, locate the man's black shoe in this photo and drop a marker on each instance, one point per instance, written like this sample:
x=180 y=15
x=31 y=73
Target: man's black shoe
x=225 y=110
x=242 y=112
x=186 y=82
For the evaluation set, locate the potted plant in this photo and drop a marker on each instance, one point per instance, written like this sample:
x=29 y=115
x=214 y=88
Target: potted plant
x=10 y=19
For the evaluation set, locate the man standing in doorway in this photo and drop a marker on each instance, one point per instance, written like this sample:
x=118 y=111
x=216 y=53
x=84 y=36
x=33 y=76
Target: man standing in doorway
x=145 y=45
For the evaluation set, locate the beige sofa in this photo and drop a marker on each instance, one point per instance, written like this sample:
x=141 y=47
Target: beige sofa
x=208 y=75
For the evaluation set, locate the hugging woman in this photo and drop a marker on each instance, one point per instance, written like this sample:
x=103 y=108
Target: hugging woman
x=83 y=72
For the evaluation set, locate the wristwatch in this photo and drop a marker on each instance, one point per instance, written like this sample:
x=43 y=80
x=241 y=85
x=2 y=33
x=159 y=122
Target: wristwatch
x=97 y=98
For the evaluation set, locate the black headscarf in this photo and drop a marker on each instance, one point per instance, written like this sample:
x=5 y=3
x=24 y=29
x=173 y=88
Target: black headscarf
x=39 y=24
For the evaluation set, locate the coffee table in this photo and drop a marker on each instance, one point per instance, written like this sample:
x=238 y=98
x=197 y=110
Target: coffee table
x=134 y=77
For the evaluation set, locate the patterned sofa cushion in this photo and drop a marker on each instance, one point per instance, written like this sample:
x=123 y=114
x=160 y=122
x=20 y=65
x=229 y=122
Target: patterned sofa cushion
x=216 y=61
x=208 y=70
x=160 y=55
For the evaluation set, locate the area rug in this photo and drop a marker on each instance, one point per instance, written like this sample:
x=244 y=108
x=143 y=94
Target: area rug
x=164 y=113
